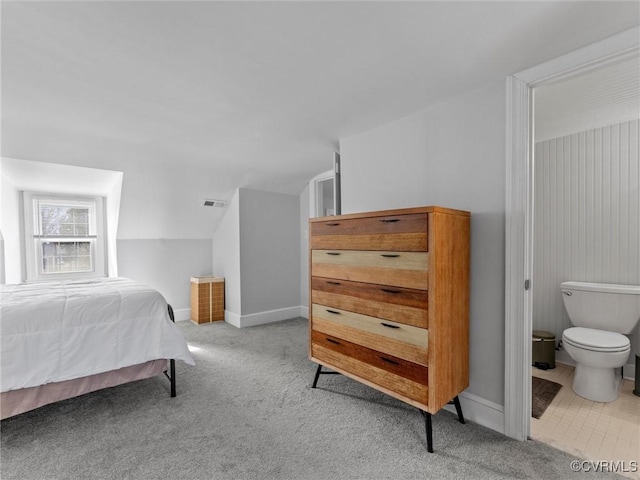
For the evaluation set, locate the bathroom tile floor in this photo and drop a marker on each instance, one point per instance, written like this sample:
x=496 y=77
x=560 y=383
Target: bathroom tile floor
x=590 y=430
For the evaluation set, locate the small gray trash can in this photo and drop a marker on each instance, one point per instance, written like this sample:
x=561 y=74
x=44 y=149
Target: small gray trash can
x=544 y=350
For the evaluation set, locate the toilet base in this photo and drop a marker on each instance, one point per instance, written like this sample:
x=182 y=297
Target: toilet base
x=596 y=384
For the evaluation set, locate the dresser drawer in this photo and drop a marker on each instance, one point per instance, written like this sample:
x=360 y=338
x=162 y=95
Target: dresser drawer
x=402 y=341
x=415 y=223
x=378 y=376
x=393 y=232
x=401 y=269
x=395 y=365
x=402 y=305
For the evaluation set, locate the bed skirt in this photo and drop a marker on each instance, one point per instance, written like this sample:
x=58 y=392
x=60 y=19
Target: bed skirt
x=15 y=402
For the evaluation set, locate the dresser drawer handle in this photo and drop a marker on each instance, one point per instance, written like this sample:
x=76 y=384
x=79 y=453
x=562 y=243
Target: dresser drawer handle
x=388 y=360
x=390 y=220
x=388 y=325
x=332 y=224
x=390 y=255
x=333 y=311
x=333 y=253
x=387 y=290
x=331 y=340
x=333 y=283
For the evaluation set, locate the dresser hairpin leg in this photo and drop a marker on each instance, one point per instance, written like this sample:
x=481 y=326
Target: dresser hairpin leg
x=456 y=402
x=427 y=427
x=315 y=380
x=318 y=372
x=427 y=422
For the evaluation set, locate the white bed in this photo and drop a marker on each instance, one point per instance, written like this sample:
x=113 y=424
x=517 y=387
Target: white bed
x=63 y=339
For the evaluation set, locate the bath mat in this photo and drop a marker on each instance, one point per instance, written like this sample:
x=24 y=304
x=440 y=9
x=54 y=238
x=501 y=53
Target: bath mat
x=543 y=392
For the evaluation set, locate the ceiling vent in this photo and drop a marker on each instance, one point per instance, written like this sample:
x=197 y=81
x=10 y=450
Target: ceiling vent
x=213 y=203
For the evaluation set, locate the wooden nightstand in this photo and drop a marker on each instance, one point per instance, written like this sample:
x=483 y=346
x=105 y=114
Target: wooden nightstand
x=207 y=299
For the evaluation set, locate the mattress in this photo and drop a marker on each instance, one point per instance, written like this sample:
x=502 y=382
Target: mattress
x=58 y=331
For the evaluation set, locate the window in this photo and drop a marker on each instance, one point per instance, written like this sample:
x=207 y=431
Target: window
x=64 y=236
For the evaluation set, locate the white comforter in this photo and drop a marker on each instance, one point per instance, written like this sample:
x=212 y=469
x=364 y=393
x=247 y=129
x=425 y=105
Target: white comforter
x=50 y=332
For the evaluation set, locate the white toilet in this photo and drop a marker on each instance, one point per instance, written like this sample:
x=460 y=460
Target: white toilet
x=602 y=314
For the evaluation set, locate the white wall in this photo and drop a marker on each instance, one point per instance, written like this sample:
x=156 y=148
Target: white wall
x=451 y=154
x=167 y=266
x=269 y=251
x=226 y=256
x=161 y=212
x=257 y=250
x=2 y=275
x=166 y=203
x=10 y=226
x=304 y=251
x=587 y=217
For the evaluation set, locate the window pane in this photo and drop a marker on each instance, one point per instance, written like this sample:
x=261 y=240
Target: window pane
x=66 y=257
x=64 y=220
x=81 y=215
x=65 y=228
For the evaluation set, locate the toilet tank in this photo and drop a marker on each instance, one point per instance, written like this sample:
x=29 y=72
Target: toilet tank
x=604 y=306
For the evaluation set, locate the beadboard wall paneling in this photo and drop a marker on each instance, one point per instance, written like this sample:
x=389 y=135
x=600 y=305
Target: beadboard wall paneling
x=587 y=216
x=593 y=99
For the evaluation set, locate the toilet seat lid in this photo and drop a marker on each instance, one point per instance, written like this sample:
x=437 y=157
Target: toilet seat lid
x=597 y=340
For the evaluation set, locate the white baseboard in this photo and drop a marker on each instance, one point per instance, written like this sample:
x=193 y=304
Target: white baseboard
x=182 y=314
x=304 y=312
x=261 y=318
x=232 y=318
x=481 y=411
x=563 y=357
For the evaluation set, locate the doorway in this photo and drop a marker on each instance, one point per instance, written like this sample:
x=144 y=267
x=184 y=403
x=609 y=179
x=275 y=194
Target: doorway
x=519 y=215
x=324 y=202
x=325 y=192
x=586 y=214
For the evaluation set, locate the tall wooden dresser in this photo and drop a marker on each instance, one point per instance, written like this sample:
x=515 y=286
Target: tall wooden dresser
x=389 y=303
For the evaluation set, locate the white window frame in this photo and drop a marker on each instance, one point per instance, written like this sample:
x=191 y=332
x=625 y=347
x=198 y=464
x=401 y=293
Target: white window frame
x=33 y=237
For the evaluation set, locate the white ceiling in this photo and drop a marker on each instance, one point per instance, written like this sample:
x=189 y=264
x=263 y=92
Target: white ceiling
x=602 y=96
x=257 y=94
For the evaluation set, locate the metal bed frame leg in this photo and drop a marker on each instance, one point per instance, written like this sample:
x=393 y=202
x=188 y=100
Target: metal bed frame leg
x=172 y=368
x=172 y=363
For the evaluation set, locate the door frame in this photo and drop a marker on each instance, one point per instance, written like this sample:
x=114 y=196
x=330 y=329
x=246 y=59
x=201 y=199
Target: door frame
x=519 y=213
x=315 y=191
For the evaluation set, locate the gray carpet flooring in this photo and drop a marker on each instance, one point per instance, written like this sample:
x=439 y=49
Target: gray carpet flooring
x=246 y=411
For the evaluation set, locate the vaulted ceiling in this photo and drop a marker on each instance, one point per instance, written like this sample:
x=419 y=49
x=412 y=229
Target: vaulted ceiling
x=257 y=94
